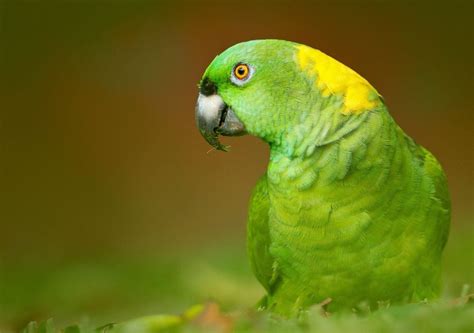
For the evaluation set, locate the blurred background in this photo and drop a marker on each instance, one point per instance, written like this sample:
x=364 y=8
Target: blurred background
x=108 y=191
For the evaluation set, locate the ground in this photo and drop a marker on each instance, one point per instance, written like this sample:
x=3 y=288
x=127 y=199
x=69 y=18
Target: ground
x=211 y=290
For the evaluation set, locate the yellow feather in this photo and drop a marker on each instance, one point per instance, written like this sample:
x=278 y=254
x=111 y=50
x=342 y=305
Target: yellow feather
x=334 y=78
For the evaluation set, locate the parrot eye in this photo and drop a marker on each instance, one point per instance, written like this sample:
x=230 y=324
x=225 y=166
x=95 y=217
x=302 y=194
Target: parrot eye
x=241 y=73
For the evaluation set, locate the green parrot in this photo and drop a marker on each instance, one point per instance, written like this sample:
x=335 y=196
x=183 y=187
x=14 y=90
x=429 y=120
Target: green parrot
x=351 y=210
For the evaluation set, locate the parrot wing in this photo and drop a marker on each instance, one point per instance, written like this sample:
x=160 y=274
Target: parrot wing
x=258 y=236
x=441 y=195
x=439 y=191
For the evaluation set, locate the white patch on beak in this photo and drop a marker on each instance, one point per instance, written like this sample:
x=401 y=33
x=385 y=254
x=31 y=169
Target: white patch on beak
x=209 y=106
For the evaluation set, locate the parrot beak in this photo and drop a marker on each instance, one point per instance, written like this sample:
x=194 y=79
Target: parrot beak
x=214 y=118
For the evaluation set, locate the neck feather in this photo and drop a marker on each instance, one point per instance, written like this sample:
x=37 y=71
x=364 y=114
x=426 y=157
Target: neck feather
x=318 y=154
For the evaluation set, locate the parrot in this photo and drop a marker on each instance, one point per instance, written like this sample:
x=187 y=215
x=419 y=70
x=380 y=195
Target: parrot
x=350 y=211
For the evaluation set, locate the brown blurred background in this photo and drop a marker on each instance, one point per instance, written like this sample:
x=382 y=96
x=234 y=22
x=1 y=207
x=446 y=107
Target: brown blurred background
x=99 y=153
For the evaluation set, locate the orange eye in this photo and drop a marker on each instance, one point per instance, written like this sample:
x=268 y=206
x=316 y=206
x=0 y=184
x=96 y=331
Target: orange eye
x=241 y=71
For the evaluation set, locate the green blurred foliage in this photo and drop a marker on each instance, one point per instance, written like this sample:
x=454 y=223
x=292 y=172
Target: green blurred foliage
x=111 y=207
x=102 y=290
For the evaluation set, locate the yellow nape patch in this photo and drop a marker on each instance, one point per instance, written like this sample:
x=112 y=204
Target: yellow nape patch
x=334 y=77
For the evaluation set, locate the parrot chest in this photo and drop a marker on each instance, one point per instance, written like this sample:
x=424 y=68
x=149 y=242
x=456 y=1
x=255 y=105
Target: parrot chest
x=320 y=251
x=346 y=236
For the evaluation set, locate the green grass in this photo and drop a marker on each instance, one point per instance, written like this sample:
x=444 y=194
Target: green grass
x=156 y=291
x=407 y=318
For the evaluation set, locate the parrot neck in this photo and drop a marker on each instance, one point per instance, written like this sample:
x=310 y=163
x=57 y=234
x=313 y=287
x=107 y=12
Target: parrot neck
x=355 y=159
x=320 y=126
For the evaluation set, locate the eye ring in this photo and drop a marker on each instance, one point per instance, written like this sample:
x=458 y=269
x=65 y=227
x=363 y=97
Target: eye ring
x=241 y=73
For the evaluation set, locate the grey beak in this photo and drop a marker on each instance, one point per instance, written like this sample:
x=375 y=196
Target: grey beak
x=214 y=118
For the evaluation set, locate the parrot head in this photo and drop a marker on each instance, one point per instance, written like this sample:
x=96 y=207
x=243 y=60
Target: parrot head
x=242 y=91
x=266 y=88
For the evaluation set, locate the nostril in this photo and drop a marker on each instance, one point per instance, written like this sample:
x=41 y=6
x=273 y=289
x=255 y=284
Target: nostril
x=207 y=87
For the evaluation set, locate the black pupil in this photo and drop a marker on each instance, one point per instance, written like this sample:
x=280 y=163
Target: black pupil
x=241 y=70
